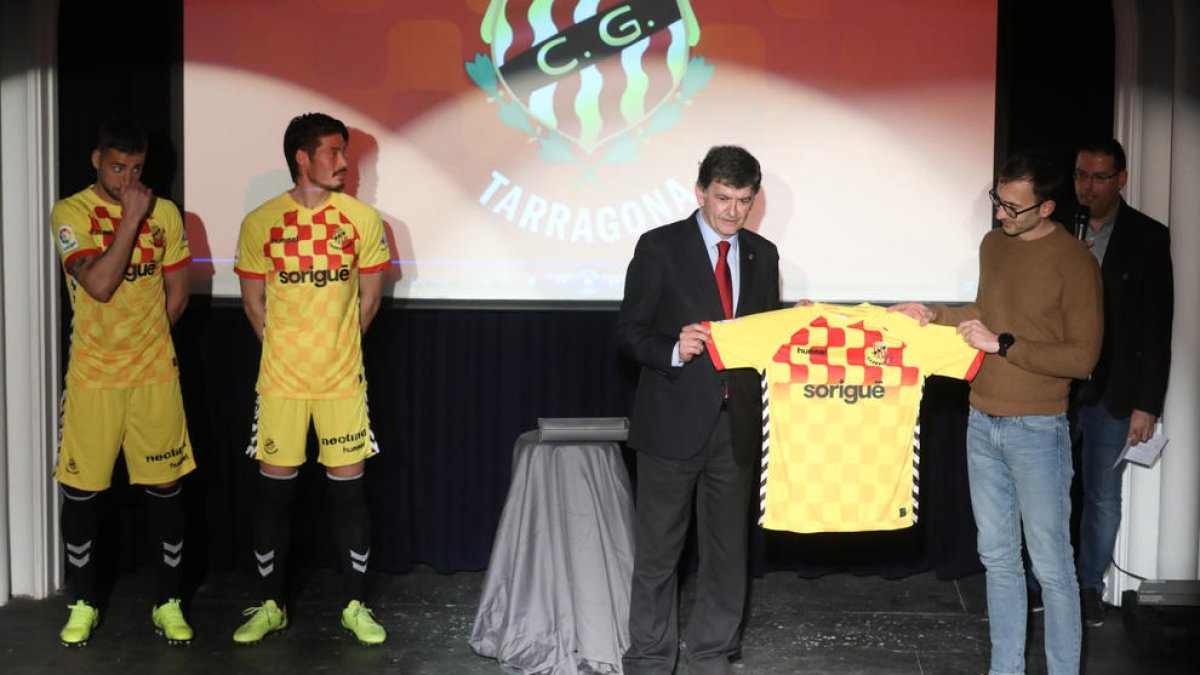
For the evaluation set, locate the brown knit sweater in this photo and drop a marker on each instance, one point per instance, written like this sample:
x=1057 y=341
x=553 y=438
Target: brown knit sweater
x=1048 y=294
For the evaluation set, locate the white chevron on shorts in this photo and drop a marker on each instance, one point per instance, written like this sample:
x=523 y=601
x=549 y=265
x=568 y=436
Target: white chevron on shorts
x=253 y=447
x=766 y=447
x=358 y=561
x=172 y=553
x=62 y=399
x=79 y=555
x=266 y=563
x=370 y=431
x=916 y=470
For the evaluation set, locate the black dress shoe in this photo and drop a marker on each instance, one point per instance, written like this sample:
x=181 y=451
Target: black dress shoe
x=1093 y=607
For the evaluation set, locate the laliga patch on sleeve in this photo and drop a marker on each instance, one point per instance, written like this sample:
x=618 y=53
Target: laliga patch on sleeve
x=66 y=239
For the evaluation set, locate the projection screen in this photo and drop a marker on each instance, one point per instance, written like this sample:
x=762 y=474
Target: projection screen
x=516 y=149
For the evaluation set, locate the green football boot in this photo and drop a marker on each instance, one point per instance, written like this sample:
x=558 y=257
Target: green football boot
x=264 y=619
x=169 y=623
x=79 y=626
x=357 y=619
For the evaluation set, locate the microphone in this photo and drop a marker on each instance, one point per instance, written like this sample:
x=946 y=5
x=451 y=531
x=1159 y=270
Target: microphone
x=1082 y=215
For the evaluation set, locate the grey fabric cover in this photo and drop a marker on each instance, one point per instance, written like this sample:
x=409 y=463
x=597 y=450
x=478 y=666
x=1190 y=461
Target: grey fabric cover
x=556 y=594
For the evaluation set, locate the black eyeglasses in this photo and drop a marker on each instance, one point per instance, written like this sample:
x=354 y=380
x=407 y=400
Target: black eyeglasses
x=1011 y=210
x=1083 y=176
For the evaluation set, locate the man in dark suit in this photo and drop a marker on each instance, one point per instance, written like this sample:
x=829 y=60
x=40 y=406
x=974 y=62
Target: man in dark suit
x=1124 y=397
x=697 y=431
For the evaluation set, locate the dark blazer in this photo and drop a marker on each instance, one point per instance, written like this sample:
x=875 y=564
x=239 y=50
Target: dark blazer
x=1135 y=359
x=668 y=285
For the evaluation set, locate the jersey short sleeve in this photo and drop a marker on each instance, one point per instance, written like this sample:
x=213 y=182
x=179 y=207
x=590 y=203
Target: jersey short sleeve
x=250 y=259
x=72 y=231
x=939 y=349
x=376 y=255
x=176 y=253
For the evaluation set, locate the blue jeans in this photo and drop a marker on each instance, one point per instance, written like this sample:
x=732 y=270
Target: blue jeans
x=1020 y=474
x=1103 y=439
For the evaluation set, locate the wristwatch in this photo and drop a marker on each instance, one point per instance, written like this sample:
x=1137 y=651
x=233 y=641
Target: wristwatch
x=1006 y=342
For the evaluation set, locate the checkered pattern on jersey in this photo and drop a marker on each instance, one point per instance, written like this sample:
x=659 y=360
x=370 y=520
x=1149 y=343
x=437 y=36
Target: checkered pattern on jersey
x=841 y=402
x=311 y=340
x=125 y=341
x=147 y=248
x=325 y=241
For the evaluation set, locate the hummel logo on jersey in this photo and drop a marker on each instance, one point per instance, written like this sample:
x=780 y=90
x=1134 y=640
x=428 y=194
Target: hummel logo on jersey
x=317 y=278
x=133 y=272
x=849 y=393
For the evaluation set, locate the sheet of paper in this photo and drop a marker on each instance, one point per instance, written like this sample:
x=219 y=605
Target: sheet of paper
x=1145 y=453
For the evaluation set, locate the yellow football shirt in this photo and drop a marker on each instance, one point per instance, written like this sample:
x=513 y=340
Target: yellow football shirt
x=843 y=388
x=310 y=260
x=125 y=342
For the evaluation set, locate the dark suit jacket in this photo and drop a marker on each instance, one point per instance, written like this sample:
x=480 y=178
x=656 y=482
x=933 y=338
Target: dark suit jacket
x=1135 y=358
x=668 y=285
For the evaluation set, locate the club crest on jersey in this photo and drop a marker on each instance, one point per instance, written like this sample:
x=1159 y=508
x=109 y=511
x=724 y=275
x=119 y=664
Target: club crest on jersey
x=578 y=75
x=339 y=239
x=156 y=235
x=886 y=351
x=877 y=354
x=67 y=241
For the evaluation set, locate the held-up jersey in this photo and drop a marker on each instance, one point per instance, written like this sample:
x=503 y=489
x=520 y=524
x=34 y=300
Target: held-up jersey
x=310 y=260
x=842 y=389
x=125 y=342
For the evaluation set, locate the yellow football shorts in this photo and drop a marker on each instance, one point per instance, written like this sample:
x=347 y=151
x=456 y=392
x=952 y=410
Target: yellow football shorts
x=147 y=421
x=343 y=430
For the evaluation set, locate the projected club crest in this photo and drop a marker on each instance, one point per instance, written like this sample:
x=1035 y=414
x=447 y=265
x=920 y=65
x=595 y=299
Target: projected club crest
x=589 y=75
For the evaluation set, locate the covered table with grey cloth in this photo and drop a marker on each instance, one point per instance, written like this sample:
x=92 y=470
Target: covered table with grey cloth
x=556 y=595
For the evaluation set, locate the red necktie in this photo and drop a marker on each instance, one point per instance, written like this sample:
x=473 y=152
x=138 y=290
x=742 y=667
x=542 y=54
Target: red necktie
x=724 y=278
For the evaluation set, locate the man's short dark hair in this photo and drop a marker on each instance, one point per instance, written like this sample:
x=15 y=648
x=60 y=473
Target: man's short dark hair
x=123 y=134
x=304 y=132
x=731 y=165
x=1036 y=166
x=1106 y=146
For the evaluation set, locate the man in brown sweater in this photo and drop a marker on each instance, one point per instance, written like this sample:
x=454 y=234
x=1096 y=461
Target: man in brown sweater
x=1038 y=318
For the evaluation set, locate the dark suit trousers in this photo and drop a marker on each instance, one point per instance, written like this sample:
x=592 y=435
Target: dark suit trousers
x=665 y=490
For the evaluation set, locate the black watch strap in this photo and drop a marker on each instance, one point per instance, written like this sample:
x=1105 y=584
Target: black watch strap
x=1006 y=342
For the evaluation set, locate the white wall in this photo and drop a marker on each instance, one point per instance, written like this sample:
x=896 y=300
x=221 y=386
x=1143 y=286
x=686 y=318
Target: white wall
x=1158 y=121
x=29 y=550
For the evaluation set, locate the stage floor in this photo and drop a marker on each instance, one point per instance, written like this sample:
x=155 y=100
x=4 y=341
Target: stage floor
x=832 y=625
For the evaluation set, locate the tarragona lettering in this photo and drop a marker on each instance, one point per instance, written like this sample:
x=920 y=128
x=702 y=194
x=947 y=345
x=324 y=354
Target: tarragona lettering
x=317 y=278
x=848 y=393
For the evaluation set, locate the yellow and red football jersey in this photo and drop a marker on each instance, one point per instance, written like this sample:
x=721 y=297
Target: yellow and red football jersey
x=125 y=342
x=310 y=260
x=842 y=390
